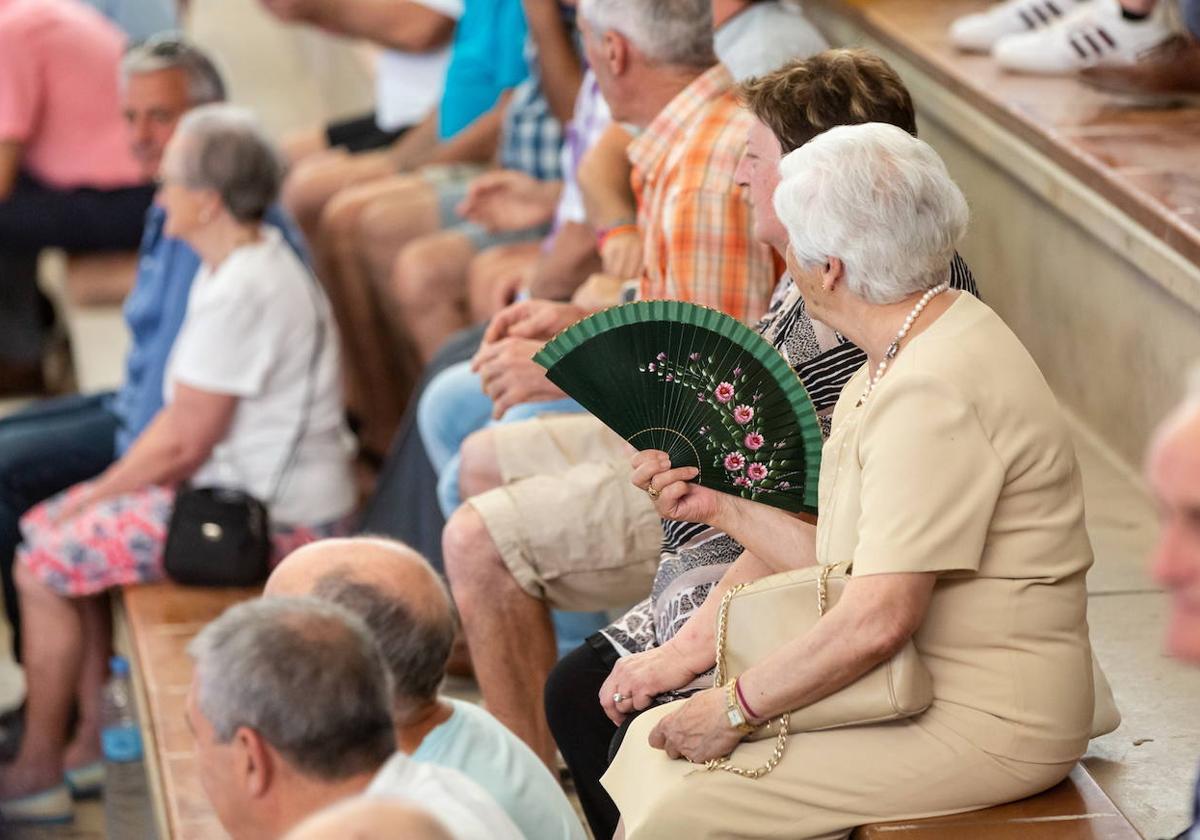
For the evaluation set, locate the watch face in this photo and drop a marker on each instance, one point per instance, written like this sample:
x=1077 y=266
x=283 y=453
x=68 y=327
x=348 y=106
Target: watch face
x=736 y=718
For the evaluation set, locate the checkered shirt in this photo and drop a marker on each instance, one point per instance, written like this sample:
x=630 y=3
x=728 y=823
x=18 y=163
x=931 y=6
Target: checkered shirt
x=530 y=137
x=696 y=222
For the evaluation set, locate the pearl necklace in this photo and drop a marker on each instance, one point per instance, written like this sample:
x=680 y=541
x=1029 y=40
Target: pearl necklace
x=894 y=347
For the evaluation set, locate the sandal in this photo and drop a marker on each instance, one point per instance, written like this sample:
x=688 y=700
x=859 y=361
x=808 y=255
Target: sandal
x=46 y=807
x=86 y=782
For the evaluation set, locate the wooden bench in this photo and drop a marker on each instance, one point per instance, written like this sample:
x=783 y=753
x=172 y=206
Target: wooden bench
x=156 y=623
x=159 y=620
x=1075 y=809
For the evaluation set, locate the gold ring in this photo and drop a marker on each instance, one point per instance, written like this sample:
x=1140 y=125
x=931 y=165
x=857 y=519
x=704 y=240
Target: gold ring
x=652 y=490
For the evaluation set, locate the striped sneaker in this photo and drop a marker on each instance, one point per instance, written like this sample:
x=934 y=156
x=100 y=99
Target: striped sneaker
x=1096 y=35
x=979 y=32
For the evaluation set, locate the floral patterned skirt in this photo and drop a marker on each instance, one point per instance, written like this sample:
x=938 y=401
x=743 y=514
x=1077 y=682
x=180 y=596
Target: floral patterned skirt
x=118 y=541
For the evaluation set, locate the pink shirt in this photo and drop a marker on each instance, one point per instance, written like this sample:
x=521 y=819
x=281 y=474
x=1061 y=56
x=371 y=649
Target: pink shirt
x=59 y=61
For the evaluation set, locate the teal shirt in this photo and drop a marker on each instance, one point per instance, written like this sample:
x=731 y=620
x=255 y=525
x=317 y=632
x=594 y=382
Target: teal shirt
x=486 y=58
x=482 y=749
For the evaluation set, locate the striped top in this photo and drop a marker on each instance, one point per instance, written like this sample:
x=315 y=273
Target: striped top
x=694 y=556
x=696 y=224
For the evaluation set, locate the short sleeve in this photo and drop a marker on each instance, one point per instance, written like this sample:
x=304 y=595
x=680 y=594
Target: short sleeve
x=449 y=8
x=20 y=87
x=930 y=480
x=226 y=346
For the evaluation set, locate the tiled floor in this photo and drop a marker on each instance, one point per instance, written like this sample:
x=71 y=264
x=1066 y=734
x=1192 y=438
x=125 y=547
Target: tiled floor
x=1141 y=159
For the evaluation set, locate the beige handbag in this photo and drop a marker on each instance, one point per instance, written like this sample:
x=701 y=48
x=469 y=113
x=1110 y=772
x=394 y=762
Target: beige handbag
x=757 y=618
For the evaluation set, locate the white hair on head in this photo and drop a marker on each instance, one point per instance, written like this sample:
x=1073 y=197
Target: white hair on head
x=879 y=200
x=675 y=32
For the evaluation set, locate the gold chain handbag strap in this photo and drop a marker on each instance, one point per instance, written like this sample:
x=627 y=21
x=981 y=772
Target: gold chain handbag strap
x=722 y=633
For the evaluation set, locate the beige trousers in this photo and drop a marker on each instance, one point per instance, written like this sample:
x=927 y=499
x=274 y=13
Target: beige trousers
x=827 y=784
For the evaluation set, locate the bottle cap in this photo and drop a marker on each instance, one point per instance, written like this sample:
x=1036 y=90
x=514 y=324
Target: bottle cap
x=119 y=666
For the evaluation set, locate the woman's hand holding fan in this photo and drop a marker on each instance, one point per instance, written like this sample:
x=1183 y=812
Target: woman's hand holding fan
x=675 y=496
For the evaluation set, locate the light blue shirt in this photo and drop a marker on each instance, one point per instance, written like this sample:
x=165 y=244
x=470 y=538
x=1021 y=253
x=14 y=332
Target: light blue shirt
x=139 y=18
x=482 y=749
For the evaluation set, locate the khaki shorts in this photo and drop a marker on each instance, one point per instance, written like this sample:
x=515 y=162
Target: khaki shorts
x=571 y=528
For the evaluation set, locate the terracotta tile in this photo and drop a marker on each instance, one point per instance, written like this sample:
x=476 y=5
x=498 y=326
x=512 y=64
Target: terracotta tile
x=1100 y=139
x=1178 y=191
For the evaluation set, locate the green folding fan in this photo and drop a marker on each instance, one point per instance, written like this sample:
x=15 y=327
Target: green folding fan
x=700 y=386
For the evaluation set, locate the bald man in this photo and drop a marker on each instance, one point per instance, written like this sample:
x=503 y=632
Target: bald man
x=366 y=818
x=406 y=606
x=1173 y=473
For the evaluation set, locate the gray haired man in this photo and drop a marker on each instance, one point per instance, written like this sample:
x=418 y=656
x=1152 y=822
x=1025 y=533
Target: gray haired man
x=290 y=708
x=407 y=608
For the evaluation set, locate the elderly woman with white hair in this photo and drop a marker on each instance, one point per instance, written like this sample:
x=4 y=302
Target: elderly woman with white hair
x=253 y=403
x=950 y=481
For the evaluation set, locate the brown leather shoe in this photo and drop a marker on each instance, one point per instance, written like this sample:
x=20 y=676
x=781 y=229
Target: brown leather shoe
x=21 y=380
x=1167 y=75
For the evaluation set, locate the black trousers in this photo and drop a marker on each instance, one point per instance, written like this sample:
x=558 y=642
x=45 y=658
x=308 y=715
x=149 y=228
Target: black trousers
x=35 y=216
x=583 y=732
x=404 y=505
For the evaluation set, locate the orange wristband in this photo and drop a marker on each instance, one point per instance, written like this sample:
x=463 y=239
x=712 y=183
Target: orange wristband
x=615 y=230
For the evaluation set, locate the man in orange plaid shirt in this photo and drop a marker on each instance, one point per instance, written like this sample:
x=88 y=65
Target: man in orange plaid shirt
x=698 y=245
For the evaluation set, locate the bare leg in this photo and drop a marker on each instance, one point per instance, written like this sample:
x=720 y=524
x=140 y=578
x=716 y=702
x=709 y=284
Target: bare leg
x=379 y=365
x=313 y=183
x=53 y=644
x=509 y=631
x=96 y=622
x=428 y=289
x=496 y=275
x=479 y=468
x=305 y=143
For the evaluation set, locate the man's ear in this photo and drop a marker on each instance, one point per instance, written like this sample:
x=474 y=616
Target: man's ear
x=832 y=274
x=616 y=53
x=254 y=762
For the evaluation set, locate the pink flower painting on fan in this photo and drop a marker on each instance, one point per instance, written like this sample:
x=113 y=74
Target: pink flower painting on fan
x=741 y=481
x=723 y=392
x=734 y=461
x=756 y=472
x=743 y=414
x=753 y=441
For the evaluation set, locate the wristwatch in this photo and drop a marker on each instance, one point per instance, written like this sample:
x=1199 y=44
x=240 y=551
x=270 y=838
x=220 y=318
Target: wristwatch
x=733 y=710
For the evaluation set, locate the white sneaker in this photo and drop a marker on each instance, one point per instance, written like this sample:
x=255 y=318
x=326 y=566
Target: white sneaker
x=979 y=32
x=1095 y=35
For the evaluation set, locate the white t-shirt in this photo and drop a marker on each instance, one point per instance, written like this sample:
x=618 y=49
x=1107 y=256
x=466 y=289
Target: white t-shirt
x=460 y=805
x=409 y=84
x=487 y=752
x=763 y=38
x=250 y=331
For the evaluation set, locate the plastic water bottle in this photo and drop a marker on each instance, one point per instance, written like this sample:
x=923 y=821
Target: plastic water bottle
x=127 y=812
x=120 y=737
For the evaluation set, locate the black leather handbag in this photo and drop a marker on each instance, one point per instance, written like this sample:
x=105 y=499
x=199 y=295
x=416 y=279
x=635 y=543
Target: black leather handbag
x=217 y=537
x=220 y=536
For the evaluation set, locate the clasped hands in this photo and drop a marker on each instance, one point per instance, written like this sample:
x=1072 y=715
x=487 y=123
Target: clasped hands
x=505 y=360
x=698 y=731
